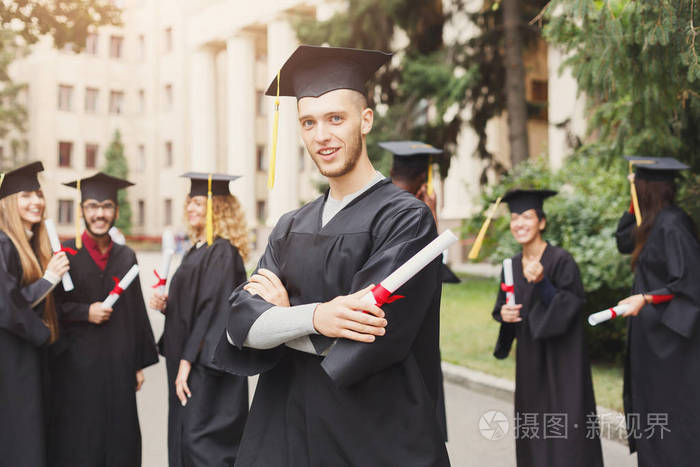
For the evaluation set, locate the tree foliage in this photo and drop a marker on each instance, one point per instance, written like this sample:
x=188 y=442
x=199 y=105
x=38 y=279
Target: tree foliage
x=116 y=165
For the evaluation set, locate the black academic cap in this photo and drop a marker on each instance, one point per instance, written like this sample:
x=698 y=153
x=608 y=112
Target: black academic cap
x=200 y=183
x=656 y=168
x=100 y=187
x=520 y=201
x=312 y=71
x=20 y=179
x=410 y=153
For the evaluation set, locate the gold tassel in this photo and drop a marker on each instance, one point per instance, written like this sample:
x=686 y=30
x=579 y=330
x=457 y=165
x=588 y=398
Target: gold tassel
x=476 y=248
x=210 y=215
x=78 y=239
x=273 y=147
x=635 y=200
x=430 y=176
x=2 y=178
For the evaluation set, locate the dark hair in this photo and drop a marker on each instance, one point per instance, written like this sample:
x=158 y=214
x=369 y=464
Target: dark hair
x=541 y=216
x=653 y=196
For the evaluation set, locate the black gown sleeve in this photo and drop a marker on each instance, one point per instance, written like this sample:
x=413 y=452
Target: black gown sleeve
x=16 y=314
x=625 y=233
x=36 y=290
x=349 y=362
x=682 y=254
x=564 y=307
x=506 y=332
x=69 y=311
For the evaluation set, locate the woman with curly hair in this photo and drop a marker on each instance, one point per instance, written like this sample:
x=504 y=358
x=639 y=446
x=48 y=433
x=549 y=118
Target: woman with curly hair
x=27 y=315
x=207 y=408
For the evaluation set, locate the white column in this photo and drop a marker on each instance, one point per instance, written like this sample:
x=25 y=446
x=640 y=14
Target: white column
x=240 y=125
x=281 y=42
x=203 y=111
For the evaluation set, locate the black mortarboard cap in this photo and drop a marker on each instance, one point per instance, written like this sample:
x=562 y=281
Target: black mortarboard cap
x=312 y=71
x=20 y=179
x=520 y=201
x=200 y=183
x=414 y=154
x=100 y=187
x=656 y=168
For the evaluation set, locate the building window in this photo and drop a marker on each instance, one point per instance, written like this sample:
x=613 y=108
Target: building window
x=142 y=47
x=65 y=151
x=91 y=100
x=90 y=156
x=116 y=102
x=65 y=96
x=116 y=44
x=260 y=164
x=168 y=97
x=260 y=103
x=537 y=106
x=141 y=163
x=141 y=214
x=168 y=40
x=91 y=44
x=261 y=211
x=168 y=153
x=168 y=212
x=65 y=211
x=142 y=101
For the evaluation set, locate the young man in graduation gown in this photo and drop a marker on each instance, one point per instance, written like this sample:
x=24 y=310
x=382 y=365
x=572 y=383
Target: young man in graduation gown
x=342 y=382
x=412 y=171
x=555 y=410
x=97 y=366
x=662 y=366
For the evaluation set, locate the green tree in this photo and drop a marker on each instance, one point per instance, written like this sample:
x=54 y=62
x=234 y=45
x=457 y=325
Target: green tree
x=117 y=166
x=23 y=22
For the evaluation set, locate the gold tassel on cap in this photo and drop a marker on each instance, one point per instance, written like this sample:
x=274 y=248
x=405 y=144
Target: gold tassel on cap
x=78 y=238
x=210 y=215
x=430 y=176
x=2 y=177
x=476 y=248
x=273 y=146
x=633 y=189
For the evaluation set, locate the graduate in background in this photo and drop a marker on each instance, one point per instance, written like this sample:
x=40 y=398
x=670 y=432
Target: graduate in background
x=410 y=171
x=662 y=368
x=97 y=365
x=342 y=382
x=28 y=273
x=207 y=408
x=553 y=387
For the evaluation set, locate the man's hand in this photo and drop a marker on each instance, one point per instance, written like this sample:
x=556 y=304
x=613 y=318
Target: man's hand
x=270 y=288
x=158 y=302
x=635 y=302
x=140 y=378
x=181 y=388
x=533 y=272
x=347 y=316
x=98 y=313
x=511 y=313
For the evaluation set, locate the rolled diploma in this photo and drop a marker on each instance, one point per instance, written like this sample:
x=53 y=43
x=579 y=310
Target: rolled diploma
x=123 y=284
x=413 y=266
x=56 y=247
x=508 y=280
x=605 y=315
x=165 y=268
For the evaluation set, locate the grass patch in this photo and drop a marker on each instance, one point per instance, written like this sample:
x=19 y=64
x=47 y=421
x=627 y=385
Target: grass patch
x=468 y=334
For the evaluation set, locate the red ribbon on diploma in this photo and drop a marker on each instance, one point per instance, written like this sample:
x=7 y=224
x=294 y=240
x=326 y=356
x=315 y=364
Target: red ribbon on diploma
x=614 y=315
x=65 y=249
x=161 y=280
x=382 y=295
x=116 y=290
x=507 y=288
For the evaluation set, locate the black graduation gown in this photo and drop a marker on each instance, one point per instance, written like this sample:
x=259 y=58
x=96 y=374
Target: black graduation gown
x=207 y=431
x=662 y=368
x=94 y=422
x=22 y=381
x=552 y=370
x=363 y=404
x=447 y=276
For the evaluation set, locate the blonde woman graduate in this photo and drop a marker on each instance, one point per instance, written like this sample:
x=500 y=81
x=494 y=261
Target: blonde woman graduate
x=28 y=273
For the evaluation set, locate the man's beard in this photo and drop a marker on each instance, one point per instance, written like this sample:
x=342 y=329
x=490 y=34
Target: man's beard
x=87 y=227
x=354 y=151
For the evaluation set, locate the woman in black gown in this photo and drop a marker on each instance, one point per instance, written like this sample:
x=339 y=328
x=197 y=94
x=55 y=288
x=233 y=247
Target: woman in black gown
x=555 y=411
x=207 y=408
x=28 y=273
x=662 y=368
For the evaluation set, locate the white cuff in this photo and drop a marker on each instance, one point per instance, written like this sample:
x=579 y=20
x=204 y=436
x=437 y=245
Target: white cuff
x=51 y=277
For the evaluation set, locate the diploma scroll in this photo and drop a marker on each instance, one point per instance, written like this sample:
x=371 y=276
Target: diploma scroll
x=121 y=286
x=168 y=252
x=381 y=293
x=56 y=247
x=606 y=315
x=508 y=281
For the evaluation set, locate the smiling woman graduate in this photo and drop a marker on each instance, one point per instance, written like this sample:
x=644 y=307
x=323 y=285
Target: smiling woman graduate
x=554 y=404
x=28 y=273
